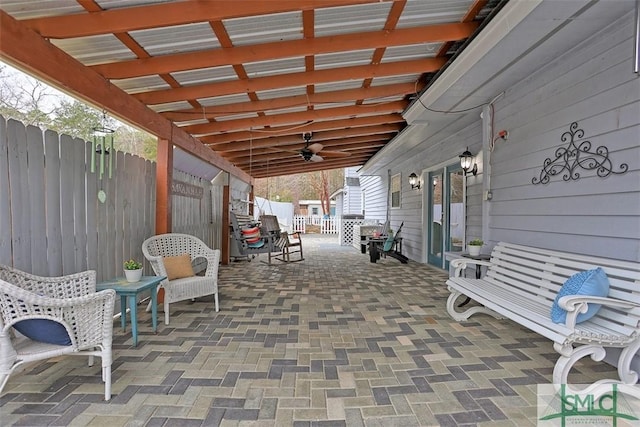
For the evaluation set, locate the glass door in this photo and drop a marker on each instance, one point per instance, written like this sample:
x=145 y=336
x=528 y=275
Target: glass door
x=435 y=217
x=445 y=214
x=455 y=211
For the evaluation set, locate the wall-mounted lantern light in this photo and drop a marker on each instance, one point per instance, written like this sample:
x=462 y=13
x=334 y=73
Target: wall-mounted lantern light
x=414 y=181
x=466 y=159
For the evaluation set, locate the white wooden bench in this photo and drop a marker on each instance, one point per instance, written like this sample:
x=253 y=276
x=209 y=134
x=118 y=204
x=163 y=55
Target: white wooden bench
x=521 y=284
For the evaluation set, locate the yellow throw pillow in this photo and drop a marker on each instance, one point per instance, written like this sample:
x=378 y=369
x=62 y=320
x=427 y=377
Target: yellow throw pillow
x=178 y=266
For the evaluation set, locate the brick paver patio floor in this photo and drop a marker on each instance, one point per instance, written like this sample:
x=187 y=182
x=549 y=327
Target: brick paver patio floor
x=331 y=341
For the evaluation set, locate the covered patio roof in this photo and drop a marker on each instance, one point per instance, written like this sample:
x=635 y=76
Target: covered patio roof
x=238 y=84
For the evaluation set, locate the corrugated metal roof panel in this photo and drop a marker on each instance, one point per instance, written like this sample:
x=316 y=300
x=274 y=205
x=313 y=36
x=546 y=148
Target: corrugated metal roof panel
x=282 y=93
x=419 y=12
x=206 y=75
x=407 y=78
x=338 y=86
x=179 y=38
x=286 y=110
x=21 y=9
x=222 y=100
x=374 y=101
x=351 y=19
x=95 y=49
x=334 y=105
x=141 y=84
x=117 y=4
x=278 y=66
x=192 y=122
x=344 y=59
x=192 y=165
x=228 y=117
x=171 y=106
x=264 y=28
x=415 y=51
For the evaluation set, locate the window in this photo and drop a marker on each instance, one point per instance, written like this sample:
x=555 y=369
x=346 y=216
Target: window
x=314 y=211
x=396 y=185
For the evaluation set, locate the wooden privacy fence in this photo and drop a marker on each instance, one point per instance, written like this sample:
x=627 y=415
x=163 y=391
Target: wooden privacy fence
x=197 y=214
x=53 y=220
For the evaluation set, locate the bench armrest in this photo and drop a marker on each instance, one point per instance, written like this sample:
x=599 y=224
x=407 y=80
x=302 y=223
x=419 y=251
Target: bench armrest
x=461 y=264
x=576 y=304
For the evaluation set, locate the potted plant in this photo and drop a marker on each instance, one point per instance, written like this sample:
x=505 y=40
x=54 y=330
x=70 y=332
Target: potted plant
x=474 y=247
x=132 y=270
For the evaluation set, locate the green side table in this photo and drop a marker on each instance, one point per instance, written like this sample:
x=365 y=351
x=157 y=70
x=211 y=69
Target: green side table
x=128 y=290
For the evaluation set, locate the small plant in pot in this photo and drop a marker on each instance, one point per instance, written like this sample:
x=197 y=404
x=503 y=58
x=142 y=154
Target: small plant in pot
x=133 y=270
x=474 y=247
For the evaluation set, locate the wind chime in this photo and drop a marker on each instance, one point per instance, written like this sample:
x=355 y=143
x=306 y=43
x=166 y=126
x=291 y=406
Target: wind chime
x=102 y=146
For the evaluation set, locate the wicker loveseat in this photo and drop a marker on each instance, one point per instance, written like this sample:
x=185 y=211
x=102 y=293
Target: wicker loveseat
x=156 y=248
x=68 y=304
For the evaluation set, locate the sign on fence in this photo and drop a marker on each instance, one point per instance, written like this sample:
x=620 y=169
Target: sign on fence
x=182 y=188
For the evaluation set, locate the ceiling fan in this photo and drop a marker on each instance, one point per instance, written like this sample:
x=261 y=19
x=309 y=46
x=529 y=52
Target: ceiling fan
x=310 y=151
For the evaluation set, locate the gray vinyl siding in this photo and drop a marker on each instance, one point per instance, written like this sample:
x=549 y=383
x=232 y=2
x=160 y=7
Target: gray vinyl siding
x=352 y=203
x=375 y=189
x=443 y=148
x=593 y=85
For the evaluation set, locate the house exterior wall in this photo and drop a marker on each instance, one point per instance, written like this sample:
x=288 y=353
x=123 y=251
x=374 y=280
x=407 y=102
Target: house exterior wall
x=339 y=205
x=352 y=196
x=593 y=85
x=436 y=151
x=375 y=197
x=352 y=200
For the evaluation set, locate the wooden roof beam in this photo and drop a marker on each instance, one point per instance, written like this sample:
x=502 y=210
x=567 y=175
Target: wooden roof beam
x=209 y=112
x=309 y=167
x=285 y=49
x=299 y=145
x=331 y=129
x=296 y=118
x=418 y=66
x=134 y=18
x=331 y=125
x=50 y=64
x=294 y=159
x=240 y=157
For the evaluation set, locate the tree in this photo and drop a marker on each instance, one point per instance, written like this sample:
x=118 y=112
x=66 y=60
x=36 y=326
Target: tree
x=34 y=103
x=293 y=188
x=79 y=120
x=25 y=99
x=320 y=184
x=131 y=140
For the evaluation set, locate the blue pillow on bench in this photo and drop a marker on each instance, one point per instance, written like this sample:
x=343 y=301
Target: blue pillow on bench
x=43 y=330
x=592 y=283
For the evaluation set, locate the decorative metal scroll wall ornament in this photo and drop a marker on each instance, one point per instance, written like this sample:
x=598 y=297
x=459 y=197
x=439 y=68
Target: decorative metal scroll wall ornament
x=573 y=157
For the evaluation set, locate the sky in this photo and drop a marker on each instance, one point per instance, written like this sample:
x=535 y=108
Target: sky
x=16 y=77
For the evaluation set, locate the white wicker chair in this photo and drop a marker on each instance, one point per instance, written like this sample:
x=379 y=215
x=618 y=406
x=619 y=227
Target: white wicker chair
x=72 y=301
x=175 y=244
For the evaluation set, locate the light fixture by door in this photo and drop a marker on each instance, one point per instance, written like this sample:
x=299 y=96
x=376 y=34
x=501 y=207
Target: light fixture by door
x=414 y=181
x=466 y=158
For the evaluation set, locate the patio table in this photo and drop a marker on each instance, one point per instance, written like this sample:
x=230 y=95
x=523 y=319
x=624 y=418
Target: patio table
x=130 y=291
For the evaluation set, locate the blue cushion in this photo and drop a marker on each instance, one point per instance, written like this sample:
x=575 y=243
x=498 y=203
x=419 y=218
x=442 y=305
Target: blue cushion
x=591 y=282
x=44 y=330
